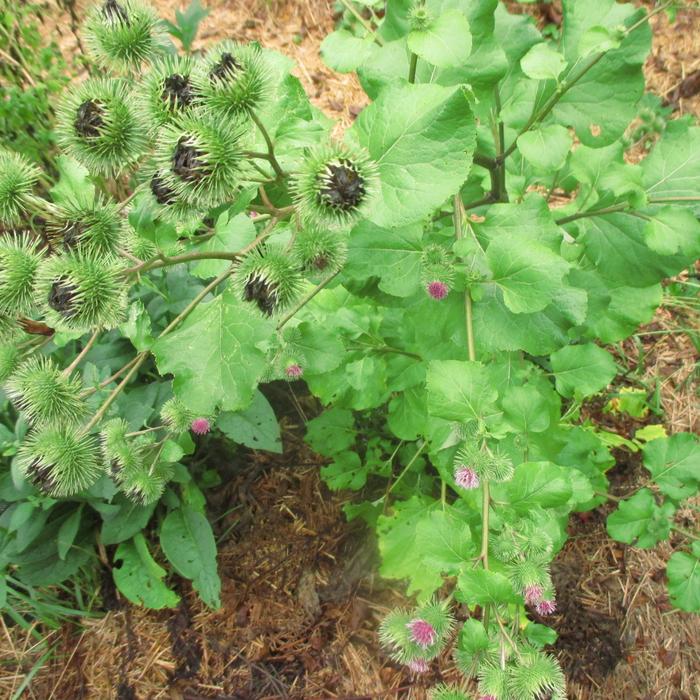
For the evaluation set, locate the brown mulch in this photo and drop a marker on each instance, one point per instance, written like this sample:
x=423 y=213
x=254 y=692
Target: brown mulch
x=300 y=602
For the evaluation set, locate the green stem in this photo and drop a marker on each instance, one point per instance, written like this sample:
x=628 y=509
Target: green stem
x=306 y=299
x=86 y=348
x=412 y=68
x=411 y=462
x=485 y=503
x=270 y=147
x=348 y=6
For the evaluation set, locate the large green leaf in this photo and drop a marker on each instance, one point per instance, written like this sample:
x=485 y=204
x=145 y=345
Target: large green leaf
x=482 y=587
x=528 y=273
x=582 y=370
x=672 y=169
x=674 y=463
x=444 y=540
x=640 y=521
x=422 y=138
x=126 y=522
x=391 y=254
x=140 y=578
x=332 y=432
x=460 y=391
x=683 y=573
x=215 y=356
x=400 y=552
x=255 y=427
x=445 y=42
x=674 y=230
x=546 y=148
x=344 y=52
x=230 y=235
x=188 y=543
x=535 y=484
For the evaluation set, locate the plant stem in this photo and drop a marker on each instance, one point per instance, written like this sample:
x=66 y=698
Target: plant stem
x=685 y=533
x=306 y=299
x=485 y=503
x=457 y=213
x=411 y=462
x=139 y=360
x=270 y=147
x=500 y=193
x=67 y=371
x=348 y=6
x=592 y=212
x=412 y=68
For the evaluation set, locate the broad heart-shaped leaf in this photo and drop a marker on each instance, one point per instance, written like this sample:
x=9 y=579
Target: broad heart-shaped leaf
x=392 y=254
x=445 y=42
x=582 y=370
x=256 y=426
x=444 y=540
x=542 y=62
x=483 y=587
x=344 y=52
x=529 y=274
x=422 y=138
x=683 y=571
x=602 y=103
x=188 y=543
x=332 y=432
x=130 y=519
x=534 y=484
x=140 y=578
x=526 y=409
x=616 y=246
x=674 y=230
x=74 y=185
x=546 y=148
x=322 y=350
x=639 y=521
x=460 y=391
x=672 y=169
x=401 y=555
x=345 y=472
x=215 y=356
x=674 y=463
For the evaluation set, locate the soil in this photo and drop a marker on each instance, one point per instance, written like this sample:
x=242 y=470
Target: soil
x=300 y=599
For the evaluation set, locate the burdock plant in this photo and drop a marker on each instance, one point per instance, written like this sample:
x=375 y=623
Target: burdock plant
x=122 y=34
x=335 y=187
x=98 y=125
x=18 y=178
x=19 y=261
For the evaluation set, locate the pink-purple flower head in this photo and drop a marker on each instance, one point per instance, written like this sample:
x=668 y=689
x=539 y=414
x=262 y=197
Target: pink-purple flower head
x=437 y=290
x=294 y=371
x=546 y=607
x=466 y=477
x=422 y=632
x=200 y=426
x=418 y=666
x=533 y=595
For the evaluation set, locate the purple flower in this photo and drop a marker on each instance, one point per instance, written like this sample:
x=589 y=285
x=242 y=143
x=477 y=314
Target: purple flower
x=437 y=290
x=253 y=214
x=533 y=595
x=294 y=371
x=422 y=632
x=546 y=607
x=466 y=477
x=418 y=666
x=200 y=426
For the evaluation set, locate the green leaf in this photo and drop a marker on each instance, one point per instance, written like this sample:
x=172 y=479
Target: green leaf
x=345 y=472
x=674 y=464
x=407 y=413
x=460 y=391
x=422 y=137
x=130 y=519
x=683 y=571
x=332 y=432
x=401 y=555
x=672 y=169
x=542 y=62
x=230 y=235
x=639 y=521
x=535 y=484
x=344 y=52
x=526 y=409
x=528 y=273
x=137 y=579
x=444 y=540
x=256 y=427
x=546 y=148
x=74 y=185
x=597 y=39
x=446 y=42
x=187 y=23
x=322 y=348
x=483 y=587
x=137 y=328
x=582 y=370
x=674 y=230
x=188 y=543
x=392 y=254
x=540 y=635
x=215 y=356
x=67 y=532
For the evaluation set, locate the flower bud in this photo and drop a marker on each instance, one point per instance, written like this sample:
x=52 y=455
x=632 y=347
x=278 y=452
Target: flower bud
x=17 y=180
x=19 y=261
x=200 y=426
